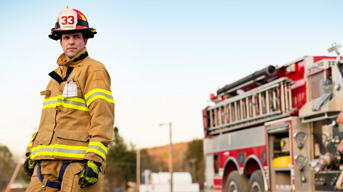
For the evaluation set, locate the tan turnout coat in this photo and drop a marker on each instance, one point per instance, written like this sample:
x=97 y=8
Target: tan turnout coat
x=76 y=121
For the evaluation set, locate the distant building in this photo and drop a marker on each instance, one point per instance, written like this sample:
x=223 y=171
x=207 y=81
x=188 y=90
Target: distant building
x=160 y=182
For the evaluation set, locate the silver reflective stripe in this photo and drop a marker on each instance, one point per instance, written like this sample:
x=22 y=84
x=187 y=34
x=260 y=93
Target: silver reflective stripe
x=65 y=100
x=75 y=103
x=50 y=102
x=98 y=93
x=97 y=148
x=41 y=150
x=70 y=151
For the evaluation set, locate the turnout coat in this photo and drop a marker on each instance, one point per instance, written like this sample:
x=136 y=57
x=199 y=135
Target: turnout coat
x=78 y=112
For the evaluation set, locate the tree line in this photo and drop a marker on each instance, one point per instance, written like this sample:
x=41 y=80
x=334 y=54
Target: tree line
x=121 y=163
x=7 y=166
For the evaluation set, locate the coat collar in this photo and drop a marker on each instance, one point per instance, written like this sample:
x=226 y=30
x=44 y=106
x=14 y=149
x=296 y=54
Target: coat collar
x=61 y=61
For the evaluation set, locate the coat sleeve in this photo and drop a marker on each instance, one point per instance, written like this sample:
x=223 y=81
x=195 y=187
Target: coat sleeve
x=29 y=146
x=99 y=100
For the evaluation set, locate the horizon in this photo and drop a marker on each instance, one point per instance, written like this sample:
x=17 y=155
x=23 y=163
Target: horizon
x=164 y=58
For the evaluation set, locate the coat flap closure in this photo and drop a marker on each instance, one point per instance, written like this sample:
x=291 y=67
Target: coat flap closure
x=72 y=135
x=34 y=135
x=45 y=92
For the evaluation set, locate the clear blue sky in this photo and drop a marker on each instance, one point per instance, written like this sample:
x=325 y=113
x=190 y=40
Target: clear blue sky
x=164 y=57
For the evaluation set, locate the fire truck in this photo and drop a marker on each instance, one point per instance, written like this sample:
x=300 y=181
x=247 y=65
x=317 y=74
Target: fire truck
x=276 y=130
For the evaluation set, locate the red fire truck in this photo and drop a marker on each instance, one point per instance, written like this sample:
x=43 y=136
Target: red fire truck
x=275 y=130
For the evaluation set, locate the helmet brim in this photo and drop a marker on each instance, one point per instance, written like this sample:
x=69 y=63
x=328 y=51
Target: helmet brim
x=87 y=33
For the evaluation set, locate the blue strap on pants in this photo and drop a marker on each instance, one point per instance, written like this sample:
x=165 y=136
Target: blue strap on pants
x=60 y=176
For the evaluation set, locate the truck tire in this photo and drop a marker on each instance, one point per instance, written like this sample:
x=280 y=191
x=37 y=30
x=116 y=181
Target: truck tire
x=236 y=182
x=256 y=183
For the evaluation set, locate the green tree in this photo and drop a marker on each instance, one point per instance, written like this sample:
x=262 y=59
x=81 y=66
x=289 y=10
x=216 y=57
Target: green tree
x=152 y=163
x=6 y=166
x=121 y=162
x=195 y=159
x=5 y=157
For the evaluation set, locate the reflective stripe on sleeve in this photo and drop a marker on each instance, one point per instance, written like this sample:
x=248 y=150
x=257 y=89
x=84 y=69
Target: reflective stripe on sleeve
x=67 y=102
x=30 y=143
x=50 y=102
x=97 y=148
x=58 y=150
x=98 y=94
x=74 y=103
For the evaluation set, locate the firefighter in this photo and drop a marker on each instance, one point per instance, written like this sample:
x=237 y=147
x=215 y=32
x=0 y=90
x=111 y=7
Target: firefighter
x=68 y=152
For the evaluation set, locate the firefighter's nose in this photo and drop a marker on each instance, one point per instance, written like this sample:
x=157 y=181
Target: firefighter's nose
x=71 y=41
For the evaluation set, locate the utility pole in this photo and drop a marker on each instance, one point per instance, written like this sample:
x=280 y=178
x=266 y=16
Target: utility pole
x=138 y=169
x=170 y=157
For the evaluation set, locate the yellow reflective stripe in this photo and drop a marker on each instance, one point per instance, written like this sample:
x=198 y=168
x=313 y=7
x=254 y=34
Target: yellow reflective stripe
x=68 y=102
x=42 y=153
x=59 y=150
x=80 y=100
x=99 y=97
x=97 y=90
x=99 y=145
x=42 y=146
x=63 y=154
x=70 y=147
x=98 y=94
x=49 y=106
x=37 y=151
x=50 y=102
x=98 y=148
x=96 y=152
x=68 y=105
x=70 y=151
x=30 y=143
x=50 y=99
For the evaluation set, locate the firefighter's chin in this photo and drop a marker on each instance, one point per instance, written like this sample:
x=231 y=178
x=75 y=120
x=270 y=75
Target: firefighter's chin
x=70 y=53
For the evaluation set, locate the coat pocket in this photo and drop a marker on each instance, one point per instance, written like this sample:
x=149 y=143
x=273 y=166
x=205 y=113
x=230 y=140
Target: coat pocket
x=43 y=136
x=76 y=103
x=82 y=136
x=71 y=144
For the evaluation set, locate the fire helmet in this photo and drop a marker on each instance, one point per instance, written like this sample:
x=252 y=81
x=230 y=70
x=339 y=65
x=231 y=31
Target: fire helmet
x=70 y=21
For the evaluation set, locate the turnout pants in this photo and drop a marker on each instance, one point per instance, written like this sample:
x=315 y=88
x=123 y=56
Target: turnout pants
x=50 y=172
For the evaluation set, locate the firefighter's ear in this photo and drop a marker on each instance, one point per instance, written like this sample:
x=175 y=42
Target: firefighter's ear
x=85 y=40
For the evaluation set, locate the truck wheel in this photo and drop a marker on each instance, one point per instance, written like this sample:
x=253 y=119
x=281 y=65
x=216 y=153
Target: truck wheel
x=236 y=182
x=256 y=183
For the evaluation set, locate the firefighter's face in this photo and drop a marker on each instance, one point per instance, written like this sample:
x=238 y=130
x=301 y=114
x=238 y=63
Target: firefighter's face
x=72 y=44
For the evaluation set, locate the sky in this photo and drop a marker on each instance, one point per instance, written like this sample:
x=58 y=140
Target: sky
x=165 y=58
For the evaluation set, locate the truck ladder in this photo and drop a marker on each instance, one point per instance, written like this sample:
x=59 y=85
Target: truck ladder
x=267 y=102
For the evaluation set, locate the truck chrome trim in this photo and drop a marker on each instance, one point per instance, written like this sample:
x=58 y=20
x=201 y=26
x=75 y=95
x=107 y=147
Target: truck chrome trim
x=232 y=159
